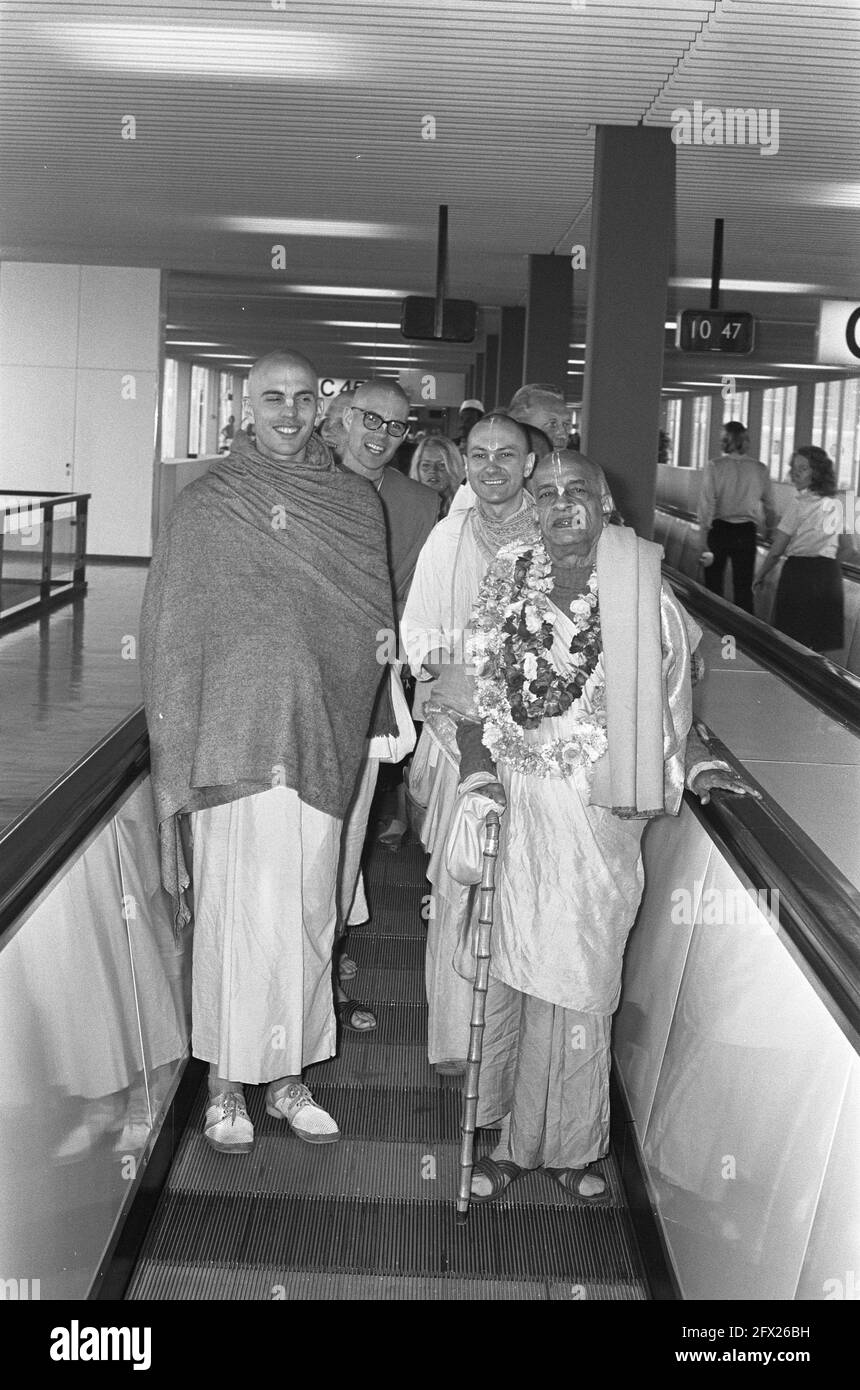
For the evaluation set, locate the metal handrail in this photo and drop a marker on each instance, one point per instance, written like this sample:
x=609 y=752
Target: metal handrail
x=819 y=909
x=46 y=499
x=37 y=845
x=51 y=591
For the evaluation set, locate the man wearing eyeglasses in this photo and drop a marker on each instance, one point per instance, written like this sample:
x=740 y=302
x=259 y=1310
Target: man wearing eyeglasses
x=376 y=424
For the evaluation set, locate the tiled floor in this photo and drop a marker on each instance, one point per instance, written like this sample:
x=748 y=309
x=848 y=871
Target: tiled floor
x=65 y=682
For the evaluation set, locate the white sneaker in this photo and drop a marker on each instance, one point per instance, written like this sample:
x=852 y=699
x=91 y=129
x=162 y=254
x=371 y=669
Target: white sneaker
x=226 y=1126
x=295 y=1104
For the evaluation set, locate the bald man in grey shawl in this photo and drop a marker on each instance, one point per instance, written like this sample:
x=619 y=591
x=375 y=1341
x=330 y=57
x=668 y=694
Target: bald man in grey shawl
x=267 y=589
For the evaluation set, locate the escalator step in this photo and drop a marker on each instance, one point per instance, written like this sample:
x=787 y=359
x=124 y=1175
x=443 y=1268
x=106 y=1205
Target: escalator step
x=372 y=1062
x=419 y=1171
x=268 y=1282
x=575 y=1244
x=372 y=1217
x=378 y=952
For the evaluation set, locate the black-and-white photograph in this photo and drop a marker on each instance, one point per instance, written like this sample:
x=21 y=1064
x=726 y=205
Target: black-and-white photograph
x=429 y=668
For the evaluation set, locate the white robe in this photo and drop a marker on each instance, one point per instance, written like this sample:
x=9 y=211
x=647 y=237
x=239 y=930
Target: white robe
x=446 y=583
x=265 y=874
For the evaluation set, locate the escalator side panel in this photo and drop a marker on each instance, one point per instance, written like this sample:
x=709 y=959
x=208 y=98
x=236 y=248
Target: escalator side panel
x=751 y=1081
x=95 y=1029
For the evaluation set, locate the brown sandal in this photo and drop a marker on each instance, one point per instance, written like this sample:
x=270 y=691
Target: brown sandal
x=502 y=1172
x=346 y=1009
x=570 y=1179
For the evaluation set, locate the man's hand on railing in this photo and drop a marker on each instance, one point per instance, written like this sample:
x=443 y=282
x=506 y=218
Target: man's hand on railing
x=703 y=783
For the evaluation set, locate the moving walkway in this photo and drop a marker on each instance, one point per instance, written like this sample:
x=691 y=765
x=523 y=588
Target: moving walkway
x=736 y=1105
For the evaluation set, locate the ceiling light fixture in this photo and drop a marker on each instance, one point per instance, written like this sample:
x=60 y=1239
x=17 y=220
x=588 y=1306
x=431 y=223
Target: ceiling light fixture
x=317 y=226
x=359 y=323
x=753 y=286
x=343 y=291
x=275 y=51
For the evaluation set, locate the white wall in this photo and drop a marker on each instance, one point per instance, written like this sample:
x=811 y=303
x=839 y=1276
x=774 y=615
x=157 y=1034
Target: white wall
x=79 y=362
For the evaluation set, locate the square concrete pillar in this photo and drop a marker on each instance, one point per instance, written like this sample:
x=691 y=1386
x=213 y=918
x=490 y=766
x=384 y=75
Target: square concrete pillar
x=480 y=362
x=804 y=413
x=511 y=353
x=632 y=233
x=549 y=311
x=491 y=372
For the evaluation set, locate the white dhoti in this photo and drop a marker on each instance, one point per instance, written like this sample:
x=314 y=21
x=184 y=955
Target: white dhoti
x=433 y=781
x=548 y=1068
x=352 y=902
x=265 y=875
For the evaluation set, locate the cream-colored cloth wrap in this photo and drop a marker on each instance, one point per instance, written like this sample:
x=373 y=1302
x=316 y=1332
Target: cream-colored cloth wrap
x=643 y=730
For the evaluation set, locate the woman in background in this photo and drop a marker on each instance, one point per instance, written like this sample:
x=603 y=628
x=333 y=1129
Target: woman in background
x=809 y=604
x=438 y=463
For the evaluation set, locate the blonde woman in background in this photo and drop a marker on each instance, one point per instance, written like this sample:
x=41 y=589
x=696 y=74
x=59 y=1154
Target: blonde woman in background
x=438 y=463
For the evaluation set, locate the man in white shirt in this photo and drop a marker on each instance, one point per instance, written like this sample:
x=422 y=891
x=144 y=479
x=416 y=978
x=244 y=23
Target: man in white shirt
x=736 y=499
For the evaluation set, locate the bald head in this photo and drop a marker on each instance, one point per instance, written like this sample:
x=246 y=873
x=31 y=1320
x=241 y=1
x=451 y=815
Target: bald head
x=281 y=357
x=568 y=492
x=377 y=388
x=378 y=407
x=543 y=406
x=546 y=460
x=332 y=429
x=282 y=388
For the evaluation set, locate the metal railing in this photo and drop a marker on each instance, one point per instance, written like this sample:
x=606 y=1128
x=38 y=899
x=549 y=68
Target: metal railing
x=43 y=550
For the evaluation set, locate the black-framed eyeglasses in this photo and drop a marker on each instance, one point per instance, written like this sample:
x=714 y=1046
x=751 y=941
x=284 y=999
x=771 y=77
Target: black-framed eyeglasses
x=372 y=421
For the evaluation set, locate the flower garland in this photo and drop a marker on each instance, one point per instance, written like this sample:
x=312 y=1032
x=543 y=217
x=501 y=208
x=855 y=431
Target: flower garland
x=517 y=685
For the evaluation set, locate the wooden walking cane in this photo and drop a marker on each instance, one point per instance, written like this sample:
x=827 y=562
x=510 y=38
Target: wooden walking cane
x=479 y=1001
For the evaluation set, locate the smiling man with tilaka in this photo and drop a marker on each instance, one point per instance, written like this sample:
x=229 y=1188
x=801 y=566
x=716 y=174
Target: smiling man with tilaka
x=267 y=590
x=447 y=578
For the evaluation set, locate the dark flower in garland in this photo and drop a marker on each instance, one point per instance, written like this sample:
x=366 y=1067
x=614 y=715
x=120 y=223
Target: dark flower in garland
x=518 y=681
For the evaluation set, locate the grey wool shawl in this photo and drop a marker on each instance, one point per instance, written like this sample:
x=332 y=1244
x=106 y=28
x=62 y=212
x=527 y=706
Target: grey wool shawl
x=261 y=622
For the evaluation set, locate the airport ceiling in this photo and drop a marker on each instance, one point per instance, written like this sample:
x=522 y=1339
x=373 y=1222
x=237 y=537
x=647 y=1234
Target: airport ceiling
x=265 y=122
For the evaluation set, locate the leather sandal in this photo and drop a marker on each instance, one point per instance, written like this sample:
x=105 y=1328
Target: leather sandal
x=452 y=1066
x=392 y=837
x=346 y=1009
x=502 y=1172
x=346 y=969
x=570 y=1179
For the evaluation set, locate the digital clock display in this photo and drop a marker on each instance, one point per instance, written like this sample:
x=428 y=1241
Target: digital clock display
x=714 y=330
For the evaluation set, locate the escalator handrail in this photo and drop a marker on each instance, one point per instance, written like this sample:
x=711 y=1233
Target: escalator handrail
x=36 y=845
x=831 y=687
x=819 y=909
x=850 y=570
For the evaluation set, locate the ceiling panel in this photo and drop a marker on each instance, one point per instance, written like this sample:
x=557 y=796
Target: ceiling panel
x=314 y=111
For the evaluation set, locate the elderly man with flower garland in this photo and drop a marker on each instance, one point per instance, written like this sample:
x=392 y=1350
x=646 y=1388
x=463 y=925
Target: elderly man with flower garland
x=580 y=733
x=500 y=455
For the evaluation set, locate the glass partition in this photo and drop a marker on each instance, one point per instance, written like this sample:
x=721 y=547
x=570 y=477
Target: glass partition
x=95 y=1029
x=741 y=1086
